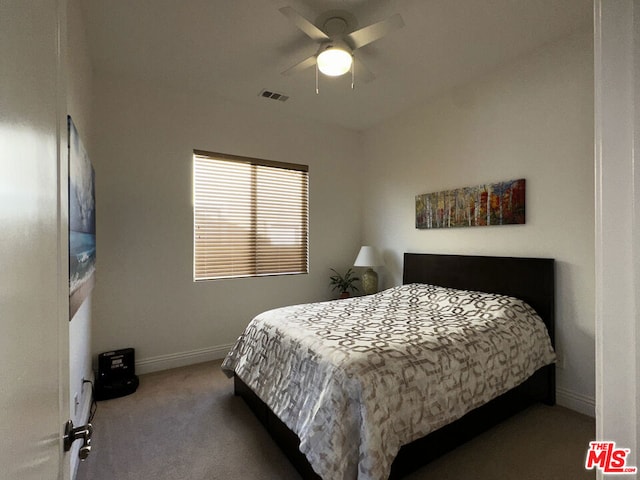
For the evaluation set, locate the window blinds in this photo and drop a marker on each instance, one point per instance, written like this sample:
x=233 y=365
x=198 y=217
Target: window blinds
x=250 y=217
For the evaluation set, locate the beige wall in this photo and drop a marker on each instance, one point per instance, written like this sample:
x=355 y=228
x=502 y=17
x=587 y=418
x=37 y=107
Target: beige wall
x=533 y=119
x=145 y=296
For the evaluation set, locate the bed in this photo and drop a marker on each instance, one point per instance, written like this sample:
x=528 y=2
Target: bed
x=368 y=388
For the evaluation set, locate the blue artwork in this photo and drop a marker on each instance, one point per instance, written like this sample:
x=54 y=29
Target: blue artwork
x=82 y=223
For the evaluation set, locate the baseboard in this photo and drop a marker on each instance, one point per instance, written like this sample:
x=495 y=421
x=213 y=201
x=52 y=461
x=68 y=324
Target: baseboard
x=576 y=401
x=181 y=359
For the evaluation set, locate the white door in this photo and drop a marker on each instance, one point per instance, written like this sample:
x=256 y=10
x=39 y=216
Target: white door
x=33 y=268
x=617 y=109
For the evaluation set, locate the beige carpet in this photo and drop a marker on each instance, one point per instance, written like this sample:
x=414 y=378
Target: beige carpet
x=186 y=424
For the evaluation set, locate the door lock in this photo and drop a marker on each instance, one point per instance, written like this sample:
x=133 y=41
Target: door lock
x=72 y=434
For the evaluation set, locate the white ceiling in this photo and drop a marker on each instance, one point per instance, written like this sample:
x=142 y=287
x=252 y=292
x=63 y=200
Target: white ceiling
x=236 y=48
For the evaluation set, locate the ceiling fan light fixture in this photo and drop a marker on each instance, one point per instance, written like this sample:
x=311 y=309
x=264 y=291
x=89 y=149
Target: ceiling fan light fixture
x=334 y=61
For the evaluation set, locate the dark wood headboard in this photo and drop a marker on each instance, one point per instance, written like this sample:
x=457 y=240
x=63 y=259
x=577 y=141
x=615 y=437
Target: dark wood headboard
x=529 y=279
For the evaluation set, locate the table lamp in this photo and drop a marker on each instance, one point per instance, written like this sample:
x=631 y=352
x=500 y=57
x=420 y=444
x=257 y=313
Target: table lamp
x=369 y=257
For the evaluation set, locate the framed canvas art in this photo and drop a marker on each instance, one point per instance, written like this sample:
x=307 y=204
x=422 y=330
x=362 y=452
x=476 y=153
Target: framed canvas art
x=82 y=222
x=501 y=203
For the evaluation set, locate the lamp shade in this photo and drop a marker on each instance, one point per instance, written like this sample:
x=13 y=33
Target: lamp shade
x=368 y=257
x=334 y=61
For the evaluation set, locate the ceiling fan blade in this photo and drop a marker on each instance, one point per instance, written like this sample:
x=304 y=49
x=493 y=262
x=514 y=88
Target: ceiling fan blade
x=362 y=73
x=303 y=65
x=303 y=24
x=369 y=34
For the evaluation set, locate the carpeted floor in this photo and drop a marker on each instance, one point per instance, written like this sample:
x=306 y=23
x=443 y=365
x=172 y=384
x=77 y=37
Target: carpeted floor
x=187 y=424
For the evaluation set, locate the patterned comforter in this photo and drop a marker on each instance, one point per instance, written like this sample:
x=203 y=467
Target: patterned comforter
x=356 y=379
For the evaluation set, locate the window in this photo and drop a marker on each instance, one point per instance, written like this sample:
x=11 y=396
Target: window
x=250 y=217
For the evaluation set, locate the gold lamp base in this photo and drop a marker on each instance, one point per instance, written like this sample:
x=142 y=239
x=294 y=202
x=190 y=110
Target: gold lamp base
x=369 y=281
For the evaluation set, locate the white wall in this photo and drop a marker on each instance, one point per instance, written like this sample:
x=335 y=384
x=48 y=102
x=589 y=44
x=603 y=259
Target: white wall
x=145 y=296
x=533 y=119
x=79 y=79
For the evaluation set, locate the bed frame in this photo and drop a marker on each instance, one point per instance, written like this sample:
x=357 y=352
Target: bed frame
x=530 y=279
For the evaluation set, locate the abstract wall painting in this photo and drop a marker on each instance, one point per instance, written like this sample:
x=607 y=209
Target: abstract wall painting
x=82 y=222
x=500 y=203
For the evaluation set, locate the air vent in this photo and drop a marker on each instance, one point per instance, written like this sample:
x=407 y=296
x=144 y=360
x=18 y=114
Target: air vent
x=274 y=95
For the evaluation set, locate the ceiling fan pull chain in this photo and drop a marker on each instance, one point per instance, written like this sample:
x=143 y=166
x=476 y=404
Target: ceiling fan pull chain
x=317 y=89
x=353 y=73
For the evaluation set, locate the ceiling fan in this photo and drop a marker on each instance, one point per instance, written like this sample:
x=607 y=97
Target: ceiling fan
x=337 y=42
